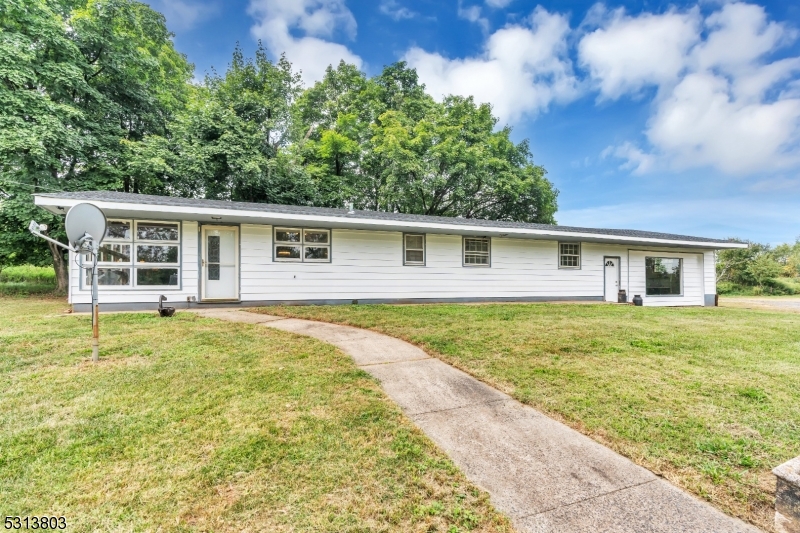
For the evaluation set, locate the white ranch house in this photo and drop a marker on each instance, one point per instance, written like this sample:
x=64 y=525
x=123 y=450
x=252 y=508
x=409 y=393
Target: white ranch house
x=210 y=252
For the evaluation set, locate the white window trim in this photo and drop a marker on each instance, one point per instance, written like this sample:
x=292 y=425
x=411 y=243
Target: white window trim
x=579 y=255
x=302 y=245
x=464 y=253
x=133 y=265
x=406 y=262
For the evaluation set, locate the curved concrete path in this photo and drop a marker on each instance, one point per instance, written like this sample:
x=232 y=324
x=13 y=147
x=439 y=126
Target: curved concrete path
x=544 y=475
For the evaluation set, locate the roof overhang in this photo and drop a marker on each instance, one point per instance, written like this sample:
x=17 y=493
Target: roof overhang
x=214 y=215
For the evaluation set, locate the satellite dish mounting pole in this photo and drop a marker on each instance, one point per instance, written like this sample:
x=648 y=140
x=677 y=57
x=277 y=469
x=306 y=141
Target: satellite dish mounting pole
x=95 y=304
x=86 y=227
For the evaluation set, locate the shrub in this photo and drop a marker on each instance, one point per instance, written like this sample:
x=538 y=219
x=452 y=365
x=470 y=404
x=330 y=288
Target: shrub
x=783 y=286
x=763 y=268
x=28 y=274
x=726 y=287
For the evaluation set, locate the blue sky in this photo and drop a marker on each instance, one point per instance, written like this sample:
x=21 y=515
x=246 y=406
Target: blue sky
x=681 y=117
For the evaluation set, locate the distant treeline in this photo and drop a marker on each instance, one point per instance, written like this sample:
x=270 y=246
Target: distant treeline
x=759 y=269
x=94 y=96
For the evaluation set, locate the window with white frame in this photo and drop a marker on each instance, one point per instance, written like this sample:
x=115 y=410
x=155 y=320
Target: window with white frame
x=413 y=249
x=477 y=251
x=569 y=255
x=663 y=276
x=302 y=245
x=139 y=254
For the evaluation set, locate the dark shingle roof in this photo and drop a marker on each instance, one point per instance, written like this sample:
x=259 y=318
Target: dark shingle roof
x=110 y=196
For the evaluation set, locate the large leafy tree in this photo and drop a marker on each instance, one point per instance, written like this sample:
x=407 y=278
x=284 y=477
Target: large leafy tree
x=232 y=140
x=94 y=96
x=387 y=145
x=77 y=79
x=758 y=263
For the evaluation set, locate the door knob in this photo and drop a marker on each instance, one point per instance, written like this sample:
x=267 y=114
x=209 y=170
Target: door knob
x=202 y=262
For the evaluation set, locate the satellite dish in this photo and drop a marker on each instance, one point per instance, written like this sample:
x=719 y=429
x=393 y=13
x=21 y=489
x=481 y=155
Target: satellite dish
x=83 y=219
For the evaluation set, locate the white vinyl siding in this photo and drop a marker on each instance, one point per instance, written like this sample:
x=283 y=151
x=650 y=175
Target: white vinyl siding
x=710 y=273
x=368 y=265
x=692 y=277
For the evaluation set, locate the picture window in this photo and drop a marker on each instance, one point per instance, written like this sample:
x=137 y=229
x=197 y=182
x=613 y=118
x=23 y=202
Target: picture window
x=663 y=276
x=138 y=254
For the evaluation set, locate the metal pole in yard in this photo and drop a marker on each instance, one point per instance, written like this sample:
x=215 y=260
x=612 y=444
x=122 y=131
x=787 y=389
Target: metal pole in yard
x=95 y=305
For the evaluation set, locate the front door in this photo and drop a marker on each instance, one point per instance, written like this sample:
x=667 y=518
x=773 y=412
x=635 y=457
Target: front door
x=612 y=278
x=220 y=263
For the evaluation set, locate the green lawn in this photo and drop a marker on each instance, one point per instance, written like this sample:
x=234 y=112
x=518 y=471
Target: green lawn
x=708 y=397
x=195 y=424
x=25 y=288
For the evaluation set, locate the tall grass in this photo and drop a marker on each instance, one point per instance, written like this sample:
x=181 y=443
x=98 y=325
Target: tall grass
x=775 y=286
x=28 y=274
x=27 y=280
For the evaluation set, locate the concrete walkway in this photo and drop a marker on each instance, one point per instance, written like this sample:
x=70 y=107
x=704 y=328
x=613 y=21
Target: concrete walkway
x=544 y=475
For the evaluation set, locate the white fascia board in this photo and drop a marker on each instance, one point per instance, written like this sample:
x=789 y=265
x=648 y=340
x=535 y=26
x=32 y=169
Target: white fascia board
x=190 y=212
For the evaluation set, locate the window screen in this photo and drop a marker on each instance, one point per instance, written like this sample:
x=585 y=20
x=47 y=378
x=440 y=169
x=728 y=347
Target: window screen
x=413 y=249
x=476 y=251
x=569 y=255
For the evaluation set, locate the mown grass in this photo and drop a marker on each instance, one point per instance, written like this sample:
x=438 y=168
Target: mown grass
x=191 y=424
x=707 y=397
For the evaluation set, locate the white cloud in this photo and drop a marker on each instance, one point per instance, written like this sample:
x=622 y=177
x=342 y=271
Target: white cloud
x=396 y=11
x=522 y=70
x=473 y=14
x=183 y=15
x=498 y=4
x=720 y=101
x=637 y=161
x=701 y=124
x=626 y=53
x=739 y=35
x=318 y=20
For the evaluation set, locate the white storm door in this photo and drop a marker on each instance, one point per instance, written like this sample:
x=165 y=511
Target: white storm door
x=220 y=263
x=612 y=278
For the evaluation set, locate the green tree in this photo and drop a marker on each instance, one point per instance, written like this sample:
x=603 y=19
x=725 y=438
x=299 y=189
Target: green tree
x=232 y=140
x=732 y=264
x=77 y=78
x=763 y=268
x=788 y=256
x=387 y=145
x=452 y=162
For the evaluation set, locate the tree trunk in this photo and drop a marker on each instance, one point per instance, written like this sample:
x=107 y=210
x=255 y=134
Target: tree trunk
x=60 y=266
